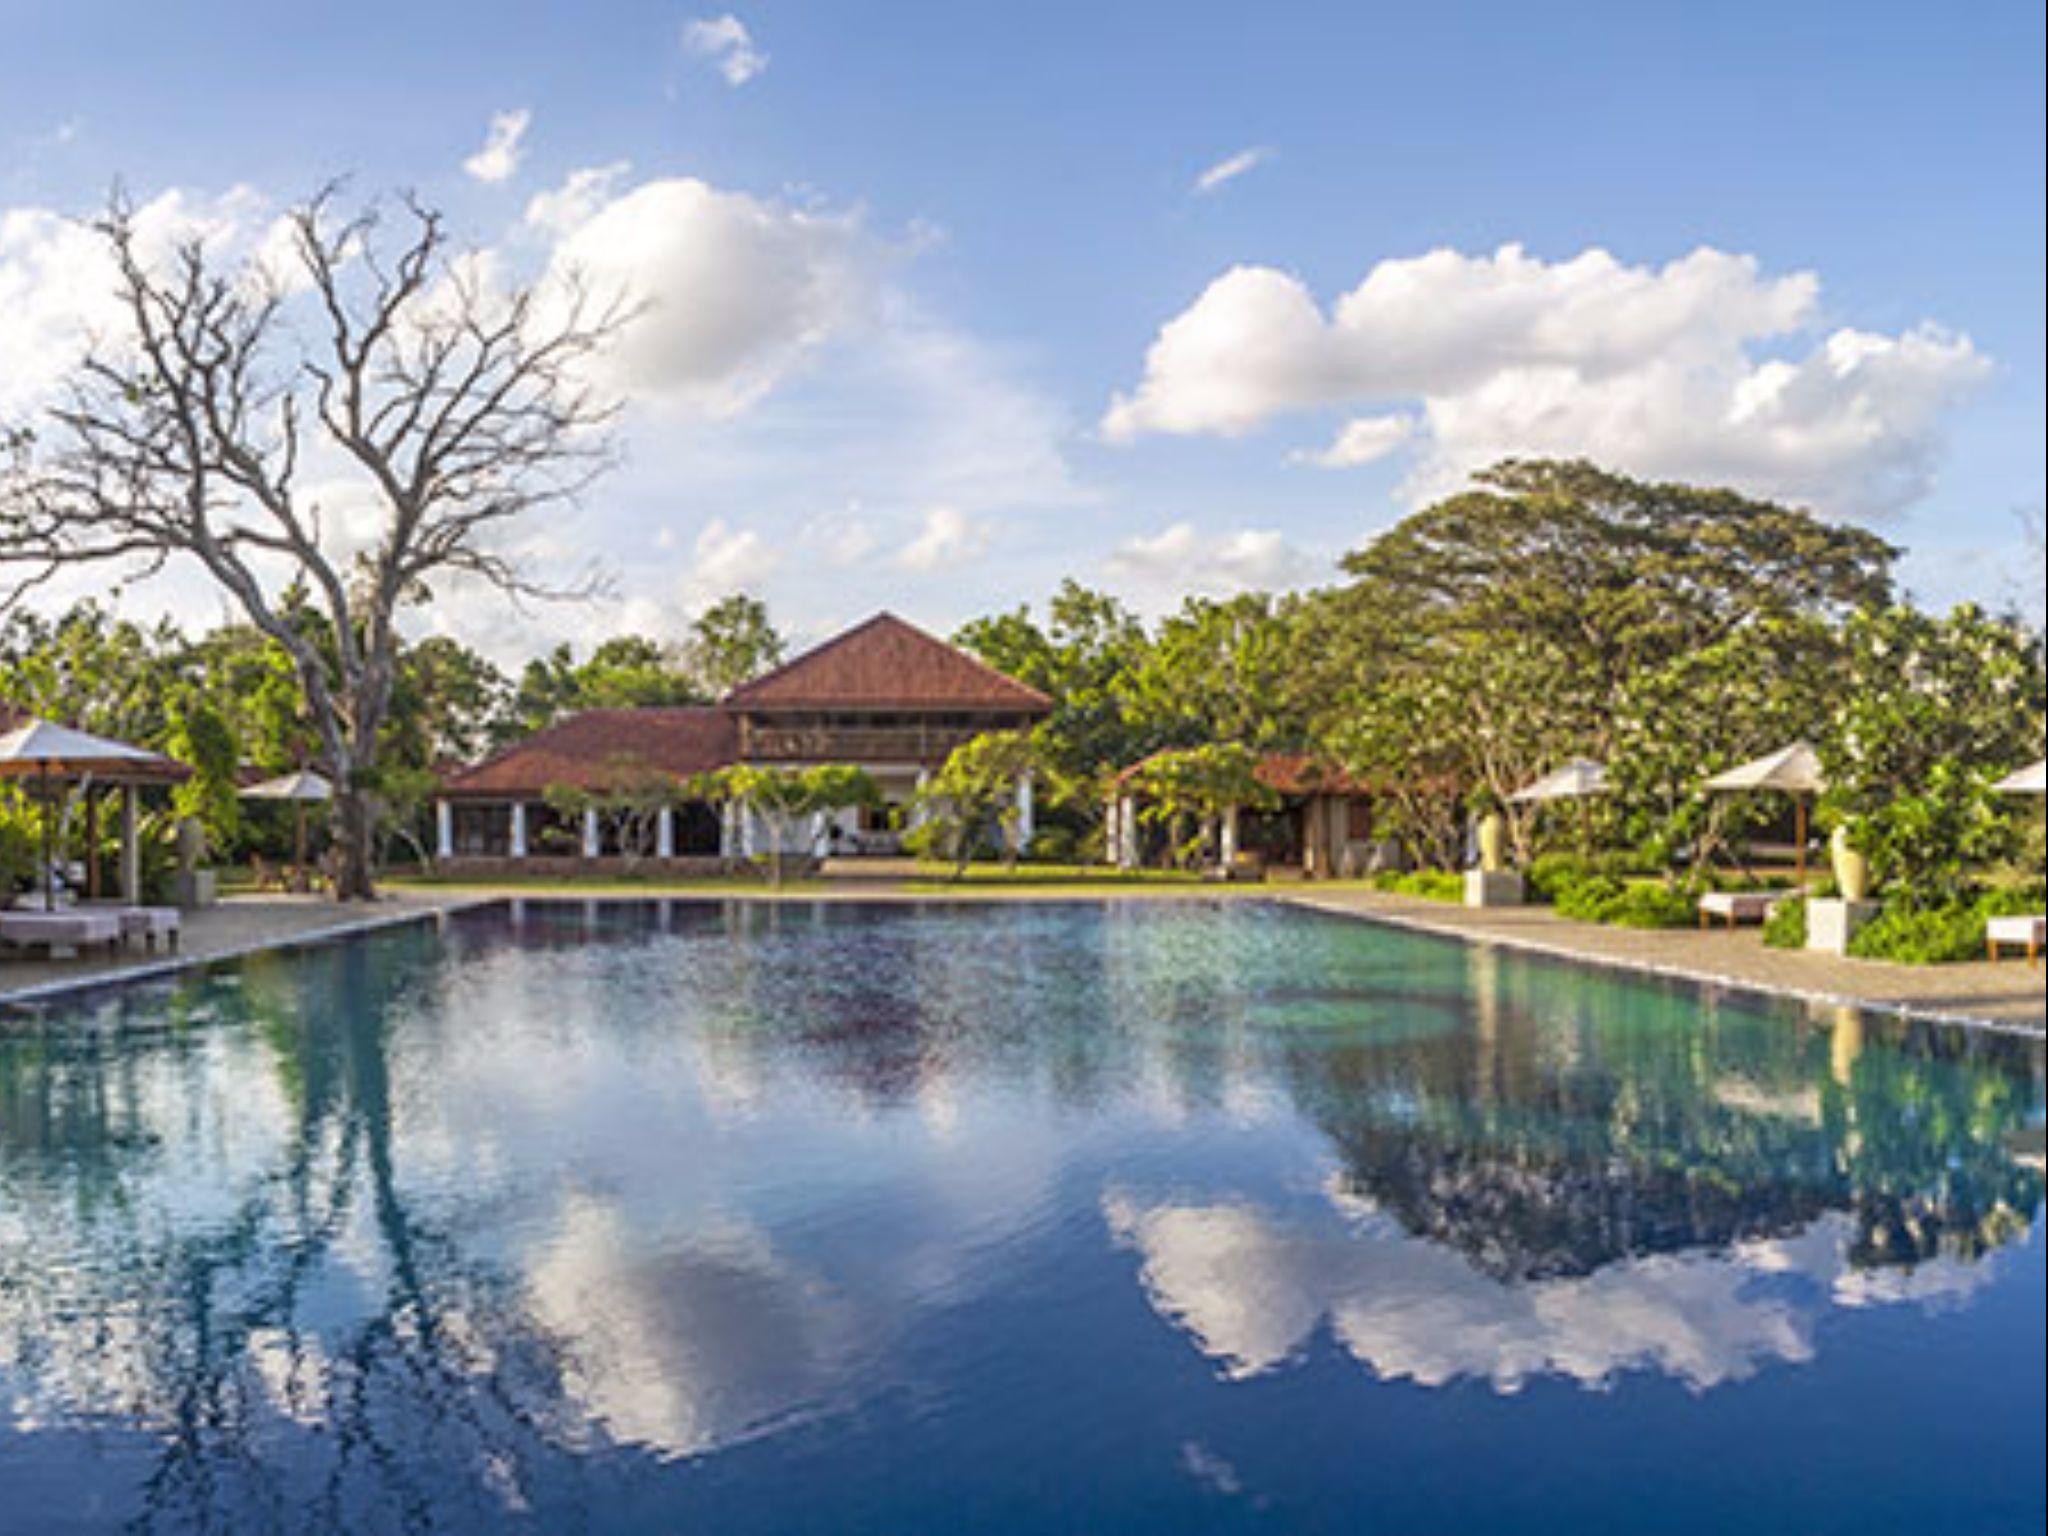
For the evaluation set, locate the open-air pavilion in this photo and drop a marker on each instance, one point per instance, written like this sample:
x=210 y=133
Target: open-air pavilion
x=55 y=761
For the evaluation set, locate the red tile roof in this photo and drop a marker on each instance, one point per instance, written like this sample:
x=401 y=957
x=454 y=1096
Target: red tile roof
x=886 y=664
x=585 y=749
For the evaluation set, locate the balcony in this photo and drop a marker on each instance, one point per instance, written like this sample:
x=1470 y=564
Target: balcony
x=766 y=743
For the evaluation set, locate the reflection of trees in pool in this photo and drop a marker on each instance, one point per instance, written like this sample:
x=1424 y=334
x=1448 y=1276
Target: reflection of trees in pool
x=1586 y=1119
x=294 y=1345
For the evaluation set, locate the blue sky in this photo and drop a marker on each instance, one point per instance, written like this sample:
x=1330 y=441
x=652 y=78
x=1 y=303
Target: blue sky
x=992 y=212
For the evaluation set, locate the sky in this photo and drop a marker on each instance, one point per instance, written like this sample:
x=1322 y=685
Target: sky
x=948 y=302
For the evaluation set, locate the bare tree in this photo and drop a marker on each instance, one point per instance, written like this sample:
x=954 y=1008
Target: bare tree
x=378 y=355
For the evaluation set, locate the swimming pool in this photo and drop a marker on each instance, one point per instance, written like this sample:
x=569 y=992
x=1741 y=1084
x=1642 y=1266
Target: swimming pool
x=622 y=1217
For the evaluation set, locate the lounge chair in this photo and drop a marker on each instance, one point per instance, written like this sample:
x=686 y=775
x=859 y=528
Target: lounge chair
x=52 y=931
x=150 y=924
x=2016 y=933
x=1737 y=906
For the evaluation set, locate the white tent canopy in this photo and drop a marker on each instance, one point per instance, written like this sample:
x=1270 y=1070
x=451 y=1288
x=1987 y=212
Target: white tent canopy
x=51 y=754
x=304 y=786
x=1574 y=781
x=1794 y=769
x=2028 y=781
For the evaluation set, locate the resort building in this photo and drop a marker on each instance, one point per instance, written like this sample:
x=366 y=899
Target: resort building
x=1322 y=825
x=883 y=696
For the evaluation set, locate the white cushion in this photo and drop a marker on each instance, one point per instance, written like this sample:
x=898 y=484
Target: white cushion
x=2017 y=930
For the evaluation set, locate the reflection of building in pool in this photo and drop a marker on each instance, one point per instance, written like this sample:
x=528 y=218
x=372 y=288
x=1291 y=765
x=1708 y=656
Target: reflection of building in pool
x=883 y=696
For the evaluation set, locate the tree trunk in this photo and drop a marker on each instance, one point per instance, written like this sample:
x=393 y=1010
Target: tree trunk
x=352 y=862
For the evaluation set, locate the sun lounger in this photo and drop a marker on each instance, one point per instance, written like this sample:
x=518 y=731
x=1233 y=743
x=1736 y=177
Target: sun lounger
x=1737 y=906
x=150 y=924
x=55 y=931
x=2016 y=933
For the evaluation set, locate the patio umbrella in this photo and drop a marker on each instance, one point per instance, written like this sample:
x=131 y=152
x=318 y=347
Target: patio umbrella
x=1793 y=770
x=1580 y=780
x=51 y=755
x=2028 y=781
x=1574 y=781
x=302 y=789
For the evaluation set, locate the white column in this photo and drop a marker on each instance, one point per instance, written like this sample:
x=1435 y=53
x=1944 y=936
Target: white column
x=817 y=843
x=131 y=848
x=593 y=842
x=1025 y=814
x=518 y=840
x=665 y=833
x=444 y=830
x=729 y=830
x=1127 y=833
x=1226 y=850
x=917 y=809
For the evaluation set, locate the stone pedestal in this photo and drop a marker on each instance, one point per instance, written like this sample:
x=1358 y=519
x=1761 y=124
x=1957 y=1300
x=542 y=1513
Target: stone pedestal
x=1493 y=888
x=195 y=888
x=1831 y=923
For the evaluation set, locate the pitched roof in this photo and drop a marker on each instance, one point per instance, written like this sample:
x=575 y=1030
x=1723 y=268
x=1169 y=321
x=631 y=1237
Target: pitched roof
x=886 y=664
x=585 y=749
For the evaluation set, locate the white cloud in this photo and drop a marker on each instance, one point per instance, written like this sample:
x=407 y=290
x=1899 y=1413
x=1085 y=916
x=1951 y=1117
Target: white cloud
x=947 y=539
x=1229 y=169
x=58 y=284
x=562 y=210
x=504 y=146
x=1691 y=369
x=728 y=559
x=1361 y=440
x=1180 y=559
x=725 y=44
x=737 y=290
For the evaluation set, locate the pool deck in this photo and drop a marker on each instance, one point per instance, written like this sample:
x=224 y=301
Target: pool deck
x=238 y=925
x=2009 y=995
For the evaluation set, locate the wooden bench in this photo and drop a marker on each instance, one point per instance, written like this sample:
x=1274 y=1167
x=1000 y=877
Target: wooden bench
x=2015 y=933
x=1738 y=906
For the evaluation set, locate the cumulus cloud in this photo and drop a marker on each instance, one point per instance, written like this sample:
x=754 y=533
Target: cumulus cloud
x=947 y=538
x=504 y=147
x=1704 y=367
x=1229 y=169
x=736 y=289
x=724 y=43
x=1181 y=559
x=727 y=559
x=58 y=284
x=1361 y=440
x=562 y=210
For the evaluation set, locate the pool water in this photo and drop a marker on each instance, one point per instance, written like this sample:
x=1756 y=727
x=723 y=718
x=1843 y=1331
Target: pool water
x=1173 y=1217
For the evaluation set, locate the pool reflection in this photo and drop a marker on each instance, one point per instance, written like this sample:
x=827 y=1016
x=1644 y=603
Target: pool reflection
x=454 y=1229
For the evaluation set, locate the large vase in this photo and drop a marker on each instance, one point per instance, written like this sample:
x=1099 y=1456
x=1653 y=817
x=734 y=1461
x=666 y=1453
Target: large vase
x=1493 y=837
x=1852 y=869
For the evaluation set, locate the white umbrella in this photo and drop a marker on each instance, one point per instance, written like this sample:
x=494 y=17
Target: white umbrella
x=2028 y=781
x=54 y=754
x=1574 y=781
x=1793 y=770
x=302 y=788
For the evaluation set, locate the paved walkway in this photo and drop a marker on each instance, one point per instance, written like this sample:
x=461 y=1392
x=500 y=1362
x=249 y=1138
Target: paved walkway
x=239 y=925
x=2010 y=994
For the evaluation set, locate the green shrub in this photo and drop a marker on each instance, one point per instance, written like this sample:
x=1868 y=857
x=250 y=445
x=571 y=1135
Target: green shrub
x=1785 y=928
x=1922 y=935
x=1641 y=904
x=1055 y=845
x=1427 y=884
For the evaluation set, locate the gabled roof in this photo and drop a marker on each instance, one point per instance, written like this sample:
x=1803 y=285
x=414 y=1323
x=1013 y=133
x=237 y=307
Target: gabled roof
x=586 y=749
x=886 y=664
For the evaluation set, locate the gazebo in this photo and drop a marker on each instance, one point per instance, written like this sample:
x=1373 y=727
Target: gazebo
x=1793 y=770
x=50 y=757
